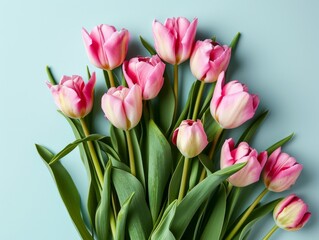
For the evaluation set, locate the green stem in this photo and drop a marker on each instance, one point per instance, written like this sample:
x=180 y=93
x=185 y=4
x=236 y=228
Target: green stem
x=93 y=153
x=130 y=152
x=111 y=78
x=175 y=89
x=246 y=214
x=268 y=235
x=198 y=98
x=182 y=187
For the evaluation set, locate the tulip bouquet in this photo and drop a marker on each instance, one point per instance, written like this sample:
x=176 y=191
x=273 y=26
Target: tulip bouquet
x=168 y=169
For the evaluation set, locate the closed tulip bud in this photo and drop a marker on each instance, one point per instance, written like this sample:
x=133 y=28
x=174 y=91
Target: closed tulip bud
x=209 y=59
x=175 y=39
x=147 y=72
x=72 y=96
x=281 y=171
x=190 y=138
x=255 y=162
x=123 y=106
x=106 y=47
x=291 y=213
x=231 y=104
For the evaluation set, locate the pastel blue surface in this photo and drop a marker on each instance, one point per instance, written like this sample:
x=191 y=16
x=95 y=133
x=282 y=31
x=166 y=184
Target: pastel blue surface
x=277 y=58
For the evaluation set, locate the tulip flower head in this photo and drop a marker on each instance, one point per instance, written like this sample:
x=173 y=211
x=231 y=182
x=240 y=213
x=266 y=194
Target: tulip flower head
x=291 y=213
x=281 y=171
x=73 y=97
x=123 y=106
x=147 y=72
x=231 y=104
x=250 y=173
x=190 y=138
x=209 y=59
x=175 y=39
x=106 y=47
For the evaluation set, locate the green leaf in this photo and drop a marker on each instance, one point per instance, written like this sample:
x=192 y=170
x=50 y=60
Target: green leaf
x=50 y=76
x=102 y=217
x=193 y=178
x=208 y=99
x=147 y=46
x=234 y=42
x=73 y=145
x=211 y=127
x=232 y=200
x=159 y=159
x=119 y=143
x=252 y=128
x=106 y=78
x=206 y=162
x=68 y=191
x=162 y=231
x=139 y=220
x=256 y=215
x=215 y=222
x=175 y=182
x=138 y=158
x=279 y=144
x=195 y=198
x=166 y=105
x=121 y=219
x=193 y=94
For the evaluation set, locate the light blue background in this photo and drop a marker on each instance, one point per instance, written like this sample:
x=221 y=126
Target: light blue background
x=277 y=58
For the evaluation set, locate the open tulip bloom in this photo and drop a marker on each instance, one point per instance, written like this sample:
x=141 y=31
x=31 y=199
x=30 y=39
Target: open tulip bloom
x=164 y=170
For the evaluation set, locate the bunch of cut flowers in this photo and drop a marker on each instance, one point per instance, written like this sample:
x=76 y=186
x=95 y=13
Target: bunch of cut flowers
x=168 y=169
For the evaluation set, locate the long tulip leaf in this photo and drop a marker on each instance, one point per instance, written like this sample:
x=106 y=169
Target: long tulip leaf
x=279 y=144
x=159 y=159
x=68 y=191
x=71 y=146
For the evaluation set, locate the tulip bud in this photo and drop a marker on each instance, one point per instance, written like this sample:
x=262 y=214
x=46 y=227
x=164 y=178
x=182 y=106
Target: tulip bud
x=231 y=104
x=281 y=171
x=123 y=106
x=250 y=173
x=209 y=59
x=147 y=72
x=73 y=97
x=190 y=138
x=291 y=213
x=175 y=39
x=106 y=47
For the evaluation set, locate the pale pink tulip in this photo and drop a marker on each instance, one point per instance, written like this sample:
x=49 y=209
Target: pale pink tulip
x=255 y=162
x=106 y=47
x=231 y=104
x=123 y=106
x=291 y=213
x=72 y=96
x=281 y=171
x=175 y=39
x=147 y=72
x=190 y=138
x=209 y=59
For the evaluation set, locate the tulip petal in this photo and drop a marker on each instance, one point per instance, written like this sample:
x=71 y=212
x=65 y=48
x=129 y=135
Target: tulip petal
x=164 y=42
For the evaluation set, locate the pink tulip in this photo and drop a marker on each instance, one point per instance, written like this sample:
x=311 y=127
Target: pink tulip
x=281 y=171
x=123 y=106
x=209 y=59
x=243 y=153
x=190 y=138
x=175 y=39
x=147 y=72
x=73 y=97
x=291 y=213
x=231 y=104
x=105 y=46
